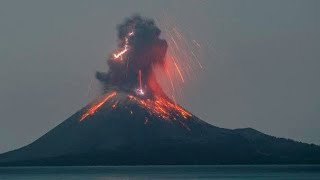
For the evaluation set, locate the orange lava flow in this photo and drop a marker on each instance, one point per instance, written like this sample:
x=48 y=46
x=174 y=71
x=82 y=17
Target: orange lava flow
x=162 y=107
x=97 y=105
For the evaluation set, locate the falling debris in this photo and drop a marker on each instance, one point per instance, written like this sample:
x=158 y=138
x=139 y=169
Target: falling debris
x=132 y=69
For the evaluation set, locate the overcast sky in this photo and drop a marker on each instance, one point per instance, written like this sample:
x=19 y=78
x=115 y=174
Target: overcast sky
x=261 y=58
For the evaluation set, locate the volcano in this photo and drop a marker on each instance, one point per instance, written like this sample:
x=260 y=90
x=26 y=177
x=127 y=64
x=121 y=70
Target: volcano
x=126 y=131
x=134 y=122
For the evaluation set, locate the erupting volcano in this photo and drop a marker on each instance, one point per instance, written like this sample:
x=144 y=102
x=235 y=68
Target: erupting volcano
x=135 y=122
x=131 y=70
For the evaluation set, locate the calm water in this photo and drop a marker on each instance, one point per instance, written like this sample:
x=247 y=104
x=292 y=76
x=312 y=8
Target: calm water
x=163 y=172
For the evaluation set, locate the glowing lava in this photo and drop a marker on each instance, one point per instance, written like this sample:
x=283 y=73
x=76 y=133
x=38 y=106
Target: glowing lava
x=132 y=69
x=140 y=81
x=92 y=109
x=162 y=107
x=140 y=91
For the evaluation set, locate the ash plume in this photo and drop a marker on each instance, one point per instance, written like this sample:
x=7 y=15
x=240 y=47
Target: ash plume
x=139 y=50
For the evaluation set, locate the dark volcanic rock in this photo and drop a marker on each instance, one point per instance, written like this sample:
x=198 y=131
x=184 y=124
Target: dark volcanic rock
x=130 y=135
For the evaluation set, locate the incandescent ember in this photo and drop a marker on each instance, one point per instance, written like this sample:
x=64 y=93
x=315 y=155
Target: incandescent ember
x=132 y=70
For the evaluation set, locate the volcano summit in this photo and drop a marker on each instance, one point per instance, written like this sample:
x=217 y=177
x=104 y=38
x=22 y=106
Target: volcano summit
x=134 y=122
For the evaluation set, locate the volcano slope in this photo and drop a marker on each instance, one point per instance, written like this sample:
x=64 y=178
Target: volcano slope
x=125 y=130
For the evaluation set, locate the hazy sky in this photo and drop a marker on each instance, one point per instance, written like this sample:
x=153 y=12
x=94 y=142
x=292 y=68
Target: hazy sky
x=261 y=58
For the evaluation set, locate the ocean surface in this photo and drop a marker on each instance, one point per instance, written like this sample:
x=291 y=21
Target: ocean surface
x=237 y=172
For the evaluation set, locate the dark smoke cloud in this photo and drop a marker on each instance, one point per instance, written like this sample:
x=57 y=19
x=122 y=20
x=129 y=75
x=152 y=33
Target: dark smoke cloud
x=145 y=50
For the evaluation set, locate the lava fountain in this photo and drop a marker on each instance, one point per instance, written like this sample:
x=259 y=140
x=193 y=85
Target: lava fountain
x=132 y=69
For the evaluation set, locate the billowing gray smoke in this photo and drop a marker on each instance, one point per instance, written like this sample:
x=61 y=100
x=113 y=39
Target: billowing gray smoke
x=139 y=50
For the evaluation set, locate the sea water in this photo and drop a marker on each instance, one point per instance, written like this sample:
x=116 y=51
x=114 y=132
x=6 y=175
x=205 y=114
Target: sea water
x=235 y=172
